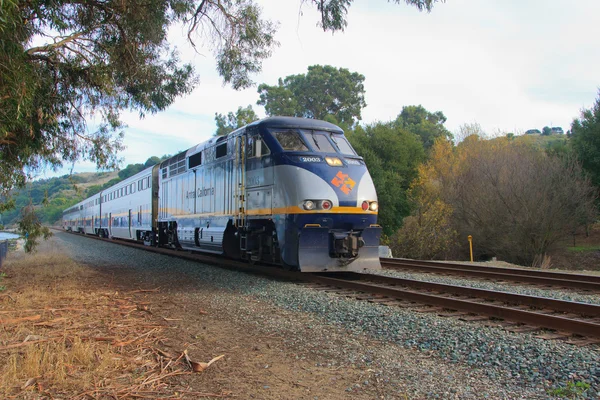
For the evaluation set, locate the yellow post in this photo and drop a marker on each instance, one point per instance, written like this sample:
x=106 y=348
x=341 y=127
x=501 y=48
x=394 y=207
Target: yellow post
x=470 y=246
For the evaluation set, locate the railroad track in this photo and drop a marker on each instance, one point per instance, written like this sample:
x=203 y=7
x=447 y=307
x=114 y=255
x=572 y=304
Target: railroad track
x=472 y=304
x=587 y=283
x=466 y=303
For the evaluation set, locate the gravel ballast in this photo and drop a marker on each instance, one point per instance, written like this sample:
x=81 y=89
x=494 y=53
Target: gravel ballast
x=418 y=354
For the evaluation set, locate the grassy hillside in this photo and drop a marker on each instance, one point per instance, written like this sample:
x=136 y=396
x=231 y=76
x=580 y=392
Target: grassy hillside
x=52 y=196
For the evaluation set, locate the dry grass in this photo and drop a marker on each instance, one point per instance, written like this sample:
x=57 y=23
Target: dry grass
x=61 y=336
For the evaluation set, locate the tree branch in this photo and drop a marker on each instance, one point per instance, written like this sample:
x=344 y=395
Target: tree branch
x=50 y=47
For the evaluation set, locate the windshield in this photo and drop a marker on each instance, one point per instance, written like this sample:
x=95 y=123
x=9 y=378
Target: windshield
x=290 y=141
x=319 y=142
x=342 y=144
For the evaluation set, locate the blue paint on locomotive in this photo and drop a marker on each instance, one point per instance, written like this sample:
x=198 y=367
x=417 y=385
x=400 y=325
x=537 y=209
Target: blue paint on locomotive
x=317 y=231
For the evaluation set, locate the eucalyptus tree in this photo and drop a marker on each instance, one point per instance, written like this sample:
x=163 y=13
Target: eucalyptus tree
x=64 y=63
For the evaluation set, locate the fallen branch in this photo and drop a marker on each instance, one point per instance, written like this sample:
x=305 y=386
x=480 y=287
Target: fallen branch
x=121 y=344
x=19 y=320
x=13 y=346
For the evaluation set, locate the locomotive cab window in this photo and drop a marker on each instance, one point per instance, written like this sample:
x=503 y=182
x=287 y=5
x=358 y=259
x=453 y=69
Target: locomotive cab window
x=290 y=141
x=342 y=144
x=257 y=147
x=319 y=142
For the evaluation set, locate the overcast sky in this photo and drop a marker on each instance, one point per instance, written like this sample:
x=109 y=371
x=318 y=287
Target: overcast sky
x=509 y=65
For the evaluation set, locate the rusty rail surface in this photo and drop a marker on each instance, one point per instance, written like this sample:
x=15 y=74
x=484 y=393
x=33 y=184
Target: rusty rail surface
x=556 y=279
x=487 y=302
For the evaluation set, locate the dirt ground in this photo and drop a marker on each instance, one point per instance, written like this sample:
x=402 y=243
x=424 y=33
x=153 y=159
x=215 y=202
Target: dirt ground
x=69 y=331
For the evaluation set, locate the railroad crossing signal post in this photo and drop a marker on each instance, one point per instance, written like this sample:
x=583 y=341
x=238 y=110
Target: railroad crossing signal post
x=470 y=246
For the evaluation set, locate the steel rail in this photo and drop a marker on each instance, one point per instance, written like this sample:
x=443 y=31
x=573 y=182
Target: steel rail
x=586 y=282
x=586 y=309
x=558 y=322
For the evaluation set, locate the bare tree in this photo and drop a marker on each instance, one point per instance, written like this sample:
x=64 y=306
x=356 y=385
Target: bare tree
x=516 y=201
x=468 y=129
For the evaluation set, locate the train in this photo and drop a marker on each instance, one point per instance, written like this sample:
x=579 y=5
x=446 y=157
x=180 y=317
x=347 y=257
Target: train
x=286 y=191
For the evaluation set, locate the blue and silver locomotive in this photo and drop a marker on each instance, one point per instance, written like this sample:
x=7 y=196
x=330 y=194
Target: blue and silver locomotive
x=282 y=190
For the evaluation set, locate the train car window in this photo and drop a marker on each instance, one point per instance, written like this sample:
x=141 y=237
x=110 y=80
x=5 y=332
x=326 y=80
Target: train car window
x=319 y=142
x=342 y=144
x=221 y=150
x=132 y=189
x=126 y=190
x=195 y=160
x=148 y=184
x=290 y=141
x=121 y=193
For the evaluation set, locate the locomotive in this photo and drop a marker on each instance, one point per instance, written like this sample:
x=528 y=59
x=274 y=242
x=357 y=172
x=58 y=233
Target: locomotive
x=283 y=190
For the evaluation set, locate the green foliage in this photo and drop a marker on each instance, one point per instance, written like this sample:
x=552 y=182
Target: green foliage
x=2 y=276
x=324 y=90
x=92 y=190
x=333 y=12
x=392 y=155
x=585 y=140
x=31 y=228
x=230 y=122
x=427 y=125
x=572 y=390
x=62 y=62
x=546 y=131
x=130 y=170
x=152 y=161
x=53 y=193
x=584 y=249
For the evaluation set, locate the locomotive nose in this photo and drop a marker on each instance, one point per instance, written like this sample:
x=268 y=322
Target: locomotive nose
x=322 y=249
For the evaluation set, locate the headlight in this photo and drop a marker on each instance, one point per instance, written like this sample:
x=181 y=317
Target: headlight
x=373 y=206
x=309 y=205
x=334 y=161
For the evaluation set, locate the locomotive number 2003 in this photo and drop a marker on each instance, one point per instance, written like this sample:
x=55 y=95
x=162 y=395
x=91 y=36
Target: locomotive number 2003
x=310 y=159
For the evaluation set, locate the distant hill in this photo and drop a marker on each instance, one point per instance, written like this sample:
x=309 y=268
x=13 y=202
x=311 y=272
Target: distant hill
x=52 y=196
x=550 y=143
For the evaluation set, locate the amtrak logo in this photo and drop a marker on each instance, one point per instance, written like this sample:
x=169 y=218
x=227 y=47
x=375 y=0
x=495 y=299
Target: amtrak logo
x=343 y=182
